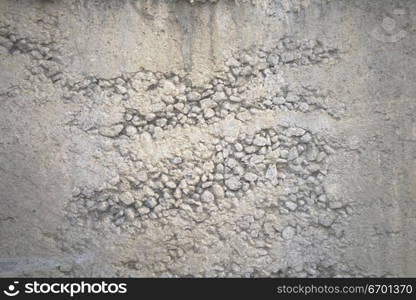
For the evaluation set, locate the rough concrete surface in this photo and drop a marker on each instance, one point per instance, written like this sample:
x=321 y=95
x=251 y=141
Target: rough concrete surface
x=207 y=138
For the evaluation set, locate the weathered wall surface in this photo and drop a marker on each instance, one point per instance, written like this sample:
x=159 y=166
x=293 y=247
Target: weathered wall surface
x=207 y=138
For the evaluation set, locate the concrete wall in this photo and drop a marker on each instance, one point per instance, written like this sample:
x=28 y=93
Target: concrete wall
x=207 y=138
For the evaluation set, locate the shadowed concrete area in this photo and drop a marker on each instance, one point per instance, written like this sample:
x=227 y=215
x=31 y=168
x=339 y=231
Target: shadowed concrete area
x=207 y=138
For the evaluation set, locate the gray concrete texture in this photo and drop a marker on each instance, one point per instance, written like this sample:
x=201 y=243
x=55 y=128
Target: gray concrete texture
x=207 y=138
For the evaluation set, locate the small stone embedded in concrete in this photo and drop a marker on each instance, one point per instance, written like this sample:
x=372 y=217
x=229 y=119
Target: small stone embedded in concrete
x=288 y=233
x=131 y=131
x=127 y=198
x=251 y=177
x=121 y=89
x=130 y=214
x=295 y=131
x=326 y=220
x=170 y=184
x=193 y=96
x=306 y=138
x=235 y=99
x=142 y=176
x=271 y=173
x=293 y=154
x=143 y=211
x=207 y=196
x=218 y=191
x=209 y=113
x=335 y=204
x=259 y=141
x=111 y=131
x=150 y=202
x=291 y=205
x=102 y=206
x=233 y=183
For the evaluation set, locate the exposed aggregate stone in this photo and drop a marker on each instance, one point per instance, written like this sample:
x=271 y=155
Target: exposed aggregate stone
x=155 y=102
x=46 y=61
x=277 y=157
